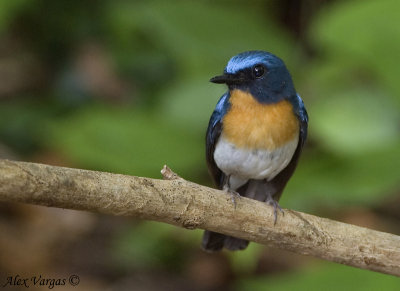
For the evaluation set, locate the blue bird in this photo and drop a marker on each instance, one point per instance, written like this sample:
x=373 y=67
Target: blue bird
x=255 y=135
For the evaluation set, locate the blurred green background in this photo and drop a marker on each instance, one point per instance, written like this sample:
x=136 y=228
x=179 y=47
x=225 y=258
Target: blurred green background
x=122 y=86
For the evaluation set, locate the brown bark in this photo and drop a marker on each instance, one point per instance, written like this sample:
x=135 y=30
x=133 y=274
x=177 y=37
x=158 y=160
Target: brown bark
x=186 y=204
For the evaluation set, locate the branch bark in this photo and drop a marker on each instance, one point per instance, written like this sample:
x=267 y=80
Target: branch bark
x=189 y=205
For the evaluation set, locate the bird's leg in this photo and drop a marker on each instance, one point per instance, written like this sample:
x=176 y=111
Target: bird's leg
x=251 y=191
x=271 y=201
x=227 y=187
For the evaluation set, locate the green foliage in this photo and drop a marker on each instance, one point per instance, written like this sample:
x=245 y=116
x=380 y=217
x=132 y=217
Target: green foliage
x=21 y=125
x=355 y=121
x=363 y=180
x=324 y=276
x=246 y=262
x=148 y=245
x=198 y=38
x=126 y=141
x=365 y=34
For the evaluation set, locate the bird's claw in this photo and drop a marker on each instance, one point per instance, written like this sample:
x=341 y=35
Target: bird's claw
x=276 y=206
x=234 y=195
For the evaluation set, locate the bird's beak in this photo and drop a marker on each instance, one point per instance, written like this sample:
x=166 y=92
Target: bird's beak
x=228 y=79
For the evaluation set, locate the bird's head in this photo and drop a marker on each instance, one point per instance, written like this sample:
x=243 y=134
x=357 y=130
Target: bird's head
x=262 y=74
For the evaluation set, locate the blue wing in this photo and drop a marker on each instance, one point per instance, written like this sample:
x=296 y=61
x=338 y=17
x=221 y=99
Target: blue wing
x=303 y=117
x=213 y=133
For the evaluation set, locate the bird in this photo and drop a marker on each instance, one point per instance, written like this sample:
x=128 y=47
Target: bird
x=255 y=135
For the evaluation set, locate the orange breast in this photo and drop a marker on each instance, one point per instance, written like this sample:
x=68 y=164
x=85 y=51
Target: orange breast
x=250 y=124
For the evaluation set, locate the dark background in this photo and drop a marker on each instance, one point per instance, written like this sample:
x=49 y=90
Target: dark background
x=122 y=86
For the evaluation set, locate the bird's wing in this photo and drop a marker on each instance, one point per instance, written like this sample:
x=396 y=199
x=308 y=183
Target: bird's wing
x=279 y=182
x=303 y=117
x=213 y=133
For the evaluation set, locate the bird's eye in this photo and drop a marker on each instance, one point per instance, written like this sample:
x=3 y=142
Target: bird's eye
x=258 y=71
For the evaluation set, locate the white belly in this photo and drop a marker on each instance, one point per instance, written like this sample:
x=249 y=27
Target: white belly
x=243 y=164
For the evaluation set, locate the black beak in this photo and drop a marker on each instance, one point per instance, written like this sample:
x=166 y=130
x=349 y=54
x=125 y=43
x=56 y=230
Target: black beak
x=228 y=79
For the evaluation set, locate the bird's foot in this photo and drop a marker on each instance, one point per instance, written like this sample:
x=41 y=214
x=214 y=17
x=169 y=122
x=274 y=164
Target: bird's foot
x=275 y=204
x=234 y=195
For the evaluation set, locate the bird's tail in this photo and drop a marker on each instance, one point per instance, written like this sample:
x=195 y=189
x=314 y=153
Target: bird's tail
x=213 y=242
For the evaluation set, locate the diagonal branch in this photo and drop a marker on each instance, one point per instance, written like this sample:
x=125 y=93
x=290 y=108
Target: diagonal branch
x=186 y=204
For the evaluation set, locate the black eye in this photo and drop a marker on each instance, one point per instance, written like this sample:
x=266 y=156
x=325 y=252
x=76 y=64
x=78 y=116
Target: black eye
x=258 y=71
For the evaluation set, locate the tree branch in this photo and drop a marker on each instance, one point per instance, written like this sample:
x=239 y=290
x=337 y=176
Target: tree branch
x=186 y=204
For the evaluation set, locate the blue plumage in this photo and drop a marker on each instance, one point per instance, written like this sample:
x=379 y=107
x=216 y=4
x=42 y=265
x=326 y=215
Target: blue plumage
x=213 y=133
x=266 y=78
x=249 y=59
x=301 y=112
